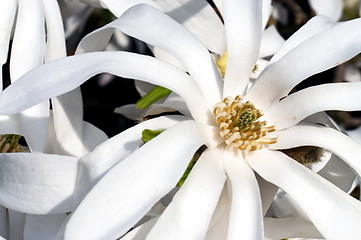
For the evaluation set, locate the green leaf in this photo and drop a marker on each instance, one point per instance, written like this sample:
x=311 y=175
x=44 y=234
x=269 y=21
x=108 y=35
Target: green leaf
x=152 y=96
x=148 y=134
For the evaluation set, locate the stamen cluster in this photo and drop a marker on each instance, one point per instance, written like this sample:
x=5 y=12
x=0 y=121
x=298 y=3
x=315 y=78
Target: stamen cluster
x=239 y=126
x=9 y=143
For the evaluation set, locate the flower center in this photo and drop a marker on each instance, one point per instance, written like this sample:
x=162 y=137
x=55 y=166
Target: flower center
x=239 y=126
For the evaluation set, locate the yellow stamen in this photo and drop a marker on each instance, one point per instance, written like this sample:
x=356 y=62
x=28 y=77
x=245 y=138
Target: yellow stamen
x=239 y=126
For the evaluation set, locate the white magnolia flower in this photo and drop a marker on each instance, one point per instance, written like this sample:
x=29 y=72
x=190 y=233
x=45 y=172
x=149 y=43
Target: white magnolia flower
x=334 y=8
x=118 y=182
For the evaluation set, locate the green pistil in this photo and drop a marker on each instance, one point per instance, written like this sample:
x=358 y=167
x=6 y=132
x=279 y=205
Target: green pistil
x=152 y=96
x=246 y=119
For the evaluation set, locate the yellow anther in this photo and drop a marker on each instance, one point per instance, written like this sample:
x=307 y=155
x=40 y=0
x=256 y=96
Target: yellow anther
x=239 y=125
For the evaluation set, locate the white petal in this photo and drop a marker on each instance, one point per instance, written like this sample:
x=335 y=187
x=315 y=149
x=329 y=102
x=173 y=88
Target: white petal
x=328 y=138
x=339 y=173
x=130 y=111
x=243 y=24
x=37 y=183
x=268 y=192
x=219 y=224
x=323 y=202
x=7 y=15
x=97 y=163
x=68 y=123
x=67 y=109
x=333 y=96
x=17 y=223
x=313 y=27
x=266 y=12
x=289 y=228
x=42 y=227
x=10 y=124
x=55 y=47
x=191 y=210
x=141 y=232
x=92 y=137
x=246 y=218
x=316 y=54
x=29 y=38
x=118 y=7
x=4 y=222
x=200 y=19
x=132 y=186
x=45 y=84
x=330 y=8
x=27 y=53
x=271 y=42
x=139 y=22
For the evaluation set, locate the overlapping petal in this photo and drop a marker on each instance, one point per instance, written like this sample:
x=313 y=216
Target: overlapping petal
x=332 y=96
x=243 y=24
x=40 y=84
x=246 y=218
x=316 y=54
x=42 y=227
x=200 y=19
x=328 y=138
x=97 y=163
x=324 y=203
x=37 y=183
x=280 y=228
x=330 y=8
x=191 y=210
x=138 y=22
x=144 y=177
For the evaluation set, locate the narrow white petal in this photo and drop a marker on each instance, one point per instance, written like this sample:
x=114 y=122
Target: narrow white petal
x=271 y=42
x=42 y=227
x=118 y=7
x=4 y=222
x=330 y=8
x=67 y=109
x=339 y=173
x=139 y=22
x=328 y=138
x=130 y=111
x=44 y=84
x=7 y=15
x=191 y=210
x=97 y=163
x=219 y=224
x=316 y=54
x=131 y=187
x=17 y=223
x=9 y=124
x=313 y=27
x=266 y=12
x=268 y=192
x=141 y=232
x=246 y=218
x=200 y=19
x=289 y=228
x=29 y=38
x=55 y=39
x=295 y=107
x=92 y=137
x=37 y=183
x=27 y=53
x=322 y=201
x=243 y=24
